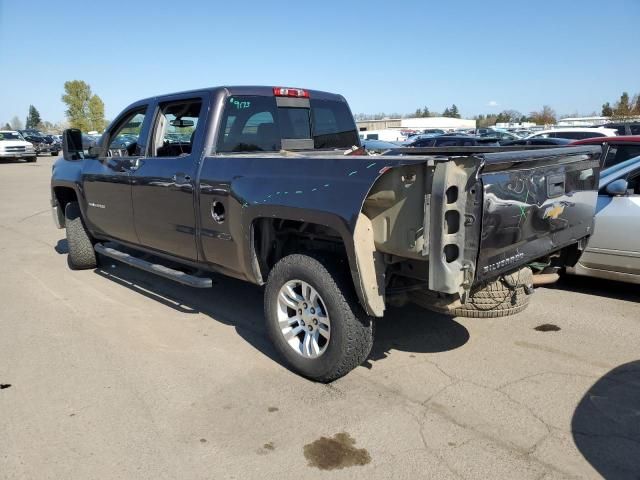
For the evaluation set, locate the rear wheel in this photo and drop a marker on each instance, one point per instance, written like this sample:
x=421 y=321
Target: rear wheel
x=81 y=252
x=314 y=318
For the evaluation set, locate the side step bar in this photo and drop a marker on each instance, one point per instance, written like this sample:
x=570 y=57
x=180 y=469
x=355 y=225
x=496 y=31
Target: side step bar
x=166 y=272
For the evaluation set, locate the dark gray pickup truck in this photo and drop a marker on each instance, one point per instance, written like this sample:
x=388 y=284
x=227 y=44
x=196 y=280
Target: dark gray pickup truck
x=268 y=185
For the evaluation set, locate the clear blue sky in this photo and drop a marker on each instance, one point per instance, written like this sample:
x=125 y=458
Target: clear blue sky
x=381 y=55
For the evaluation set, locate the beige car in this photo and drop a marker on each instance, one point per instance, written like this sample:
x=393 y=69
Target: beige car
x=613 y=251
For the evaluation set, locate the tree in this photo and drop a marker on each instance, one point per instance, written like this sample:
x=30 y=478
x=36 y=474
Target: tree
x=16 y=124
x=546 y=116
x=418 y=113
x=623 y=108
x=426 y=112
x=607 y=111
x=96 y=113
x=33 y=119
x=636 y=105
x=84 y=110
x=446 y=113
x=453 y=111
x=7 y=126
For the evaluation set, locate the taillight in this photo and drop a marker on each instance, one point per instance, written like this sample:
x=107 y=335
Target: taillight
x=290 y=92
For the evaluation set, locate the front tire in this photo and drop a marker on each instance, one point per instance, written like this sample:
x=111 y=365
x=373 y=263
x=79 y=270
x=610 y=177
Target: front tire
x=314 y=319
x=81 y=253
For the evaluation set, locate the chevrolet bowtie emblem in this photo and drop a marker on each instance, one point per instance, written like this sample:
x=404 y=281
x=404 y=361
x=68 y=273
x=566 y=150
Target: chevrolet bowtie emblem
x=554 y=211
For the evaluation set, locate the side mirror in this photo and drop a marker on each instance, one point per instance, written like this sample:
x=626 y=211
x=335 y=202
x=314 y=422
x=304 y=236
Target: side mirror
x=72 y=144
x=618 y=188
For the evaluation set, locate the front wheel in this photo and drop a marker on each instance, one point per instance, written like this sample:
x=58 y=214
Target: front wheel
x=81 y=252
x=314 y=318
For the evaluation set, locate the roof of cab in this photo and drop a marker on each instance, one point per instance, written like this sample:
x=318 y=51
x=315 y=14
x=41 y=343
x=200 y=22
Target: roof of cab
x=260 y=90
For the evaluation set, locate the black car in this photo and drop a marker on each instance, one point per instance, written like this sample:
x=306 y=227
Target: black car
x=41 y=143
x=624 y=128
x=453 y=141
x=537 y=141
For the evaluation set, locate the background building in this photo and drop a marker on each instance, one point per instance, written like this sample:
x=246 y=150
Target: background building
x=420 y=123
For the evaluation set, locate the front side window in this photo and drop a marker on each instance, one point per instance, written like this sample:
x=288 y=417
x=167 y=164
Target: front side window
x=175 y=128
x=125 y=139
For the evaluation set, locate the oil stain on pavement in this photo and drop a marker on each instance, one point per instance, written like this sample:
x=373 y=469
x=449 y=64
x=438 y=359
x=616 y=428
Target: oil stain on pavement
x=547 y=327
x=335 y=453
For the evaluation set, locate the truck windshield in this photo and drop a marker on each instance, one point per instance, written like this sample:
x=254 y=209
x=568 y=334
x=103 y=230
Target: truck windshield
x=256 y=123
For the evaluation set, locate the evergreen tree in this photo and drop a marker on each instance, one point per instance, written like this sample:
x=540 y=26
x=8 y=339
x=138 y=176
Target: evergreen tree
x=33 y=119
x=607 y=111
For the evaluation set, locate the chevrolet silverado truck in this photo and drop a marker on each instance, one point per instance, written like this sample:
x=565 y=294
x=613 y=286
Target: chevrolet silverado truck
x=269 y=185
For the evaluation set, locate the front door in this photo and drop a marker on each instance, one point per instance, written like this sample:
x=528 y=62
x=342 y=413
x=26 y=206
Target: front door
x=615 y=243
x=163 y=184
x=106 y=180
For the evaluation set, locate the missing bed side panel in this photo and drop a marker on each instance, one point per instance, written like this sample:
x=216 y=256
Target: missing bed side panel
x=396 y=207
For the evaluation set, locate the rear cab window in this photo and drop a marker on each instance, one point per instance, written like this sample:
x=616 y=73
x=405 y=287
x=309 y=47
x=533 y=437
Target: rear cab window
x=261 y=123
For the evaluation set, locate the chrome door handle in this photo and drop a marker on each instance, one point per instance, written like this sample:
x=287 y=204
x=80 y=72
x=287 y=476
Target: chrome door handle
x=181 y=177
x=136 y=164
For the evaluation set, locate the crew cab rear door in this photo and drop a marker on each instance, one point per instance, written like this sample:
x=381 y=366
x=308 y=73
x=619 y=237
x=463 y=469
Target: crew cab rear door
x=535 y=203
x=164 y=181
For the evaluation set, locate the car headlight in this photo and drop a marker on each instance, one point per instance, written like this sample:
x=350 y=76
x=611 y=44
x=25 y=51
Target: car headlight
x=29 y=148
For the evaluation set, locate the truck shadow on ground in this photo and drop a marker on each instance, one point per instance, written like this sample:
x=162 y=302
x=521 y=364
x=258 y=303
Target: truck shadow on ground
x=606 y=423
x=598 y=286
x=240 y=304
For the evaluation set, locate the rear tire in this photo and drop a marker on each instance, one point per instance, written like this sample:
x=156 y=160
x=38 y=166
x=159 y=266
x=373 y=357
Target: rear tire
x=350 y=328
x=81 y=253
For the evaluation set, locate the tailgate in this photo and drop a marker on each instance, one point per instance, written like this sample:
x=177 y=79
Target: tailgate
x=535 y=203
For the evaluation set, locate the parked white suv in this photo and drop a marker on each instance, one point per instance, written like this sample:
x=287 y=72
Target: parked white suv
x=575 y=133
x=14 y=146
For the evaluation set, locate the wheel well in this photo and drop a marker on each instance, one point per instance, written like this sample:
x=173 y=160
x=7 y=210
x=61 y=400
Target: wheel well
x=64 y=195
x=275 y=238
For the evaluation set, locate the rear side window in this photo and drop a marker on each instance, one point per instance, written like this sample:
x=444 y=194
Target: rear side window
x=333 y=125
x=249 y=125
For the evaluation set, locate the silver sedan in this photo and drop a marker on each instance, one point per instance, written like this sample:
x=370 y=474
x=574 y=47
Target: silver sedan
x=613 y=251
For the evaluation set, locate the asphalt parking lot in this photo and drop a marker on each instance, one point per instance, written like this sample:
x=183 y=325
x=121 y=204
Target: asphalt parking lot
x=115 y=373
